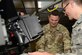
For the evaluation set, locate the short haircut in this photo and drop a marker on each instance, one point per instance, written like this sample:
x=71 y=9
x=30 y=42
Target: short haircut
x=65 y=1
x=76 y=1
x=55 y=13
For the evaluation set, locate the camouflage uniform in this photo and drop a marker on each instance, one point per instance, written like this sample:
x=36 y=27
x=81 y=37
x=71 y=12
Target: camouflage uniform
x=54 y=40
x=76 y=38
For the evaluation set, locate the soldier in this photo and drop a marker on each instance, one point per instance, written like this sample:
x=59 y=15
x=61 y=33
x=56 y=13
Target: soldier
x=56 y=37
x=73 y=8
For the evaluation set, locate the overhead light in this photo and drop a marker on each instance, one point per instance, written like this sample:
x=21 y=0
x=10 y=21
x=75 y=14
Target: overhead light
x=0 y=0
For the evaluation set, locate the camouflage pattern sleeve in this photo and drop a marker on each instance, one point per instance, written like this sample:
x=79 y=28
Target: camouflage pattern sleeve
x=66 y=40
x=40 y=44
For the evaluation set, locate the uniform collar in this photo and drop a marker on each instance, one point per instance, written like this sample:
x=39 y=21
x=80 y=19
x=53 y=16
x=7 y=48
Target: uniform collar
x=78 y=21
x=54 y=28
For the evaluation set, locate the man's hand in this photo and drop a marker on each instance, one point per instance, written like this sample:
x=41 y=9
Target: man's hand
x=39 y=53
